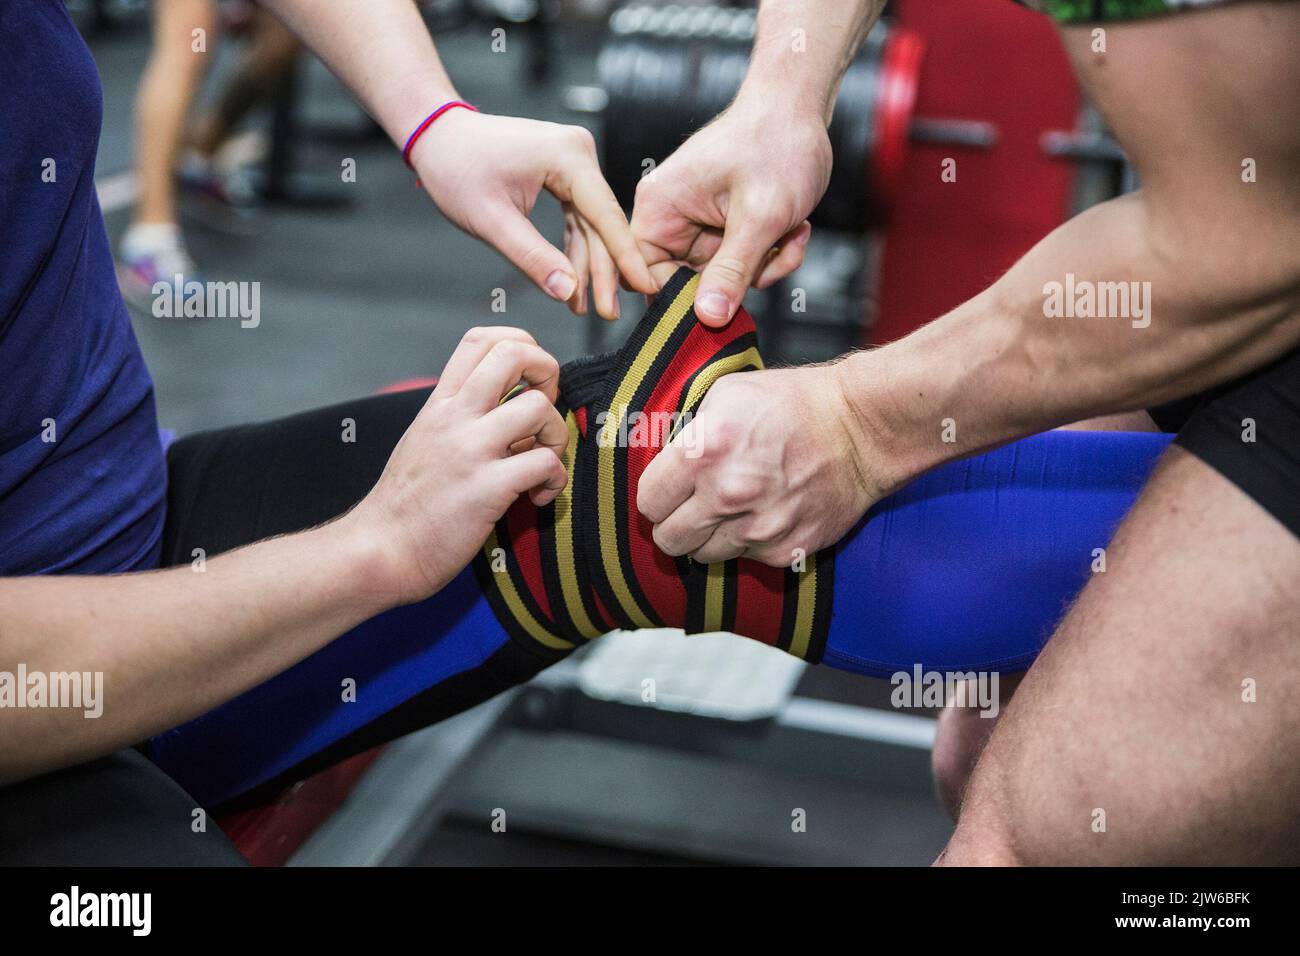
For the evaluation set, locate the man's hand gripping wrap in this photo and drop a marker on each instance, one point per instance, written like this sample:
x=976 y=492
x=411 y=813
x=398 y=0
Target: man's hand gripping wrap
x=564 y=574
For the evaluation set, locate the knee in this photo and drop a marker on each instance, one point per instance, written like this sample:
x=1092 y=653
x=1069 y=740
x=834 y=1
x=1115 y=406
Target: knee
x=979 y=844
x=1000 y=831
x=1006 y=822
x=985 y=833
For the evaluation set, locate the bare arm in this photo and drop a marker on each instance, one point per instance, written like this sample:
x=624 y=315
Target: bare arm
x=801 y=51
x=484 y=172
x=173 y=644
x=1219 y=256
x=380 y=49
x=789 y=459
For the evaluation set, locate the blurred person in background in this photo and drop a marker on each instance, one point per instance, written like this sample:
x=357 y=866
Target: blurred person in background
x=486 y=182
x=172 y=152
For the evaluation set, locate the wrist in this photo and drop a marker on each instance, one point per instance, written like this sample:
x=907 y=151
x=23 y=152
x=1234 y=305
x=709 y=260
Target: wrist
x=768 y=93
x=798 y=58
x=445 y=138
x=409 y=105
x=372 y=572
x=890 y=431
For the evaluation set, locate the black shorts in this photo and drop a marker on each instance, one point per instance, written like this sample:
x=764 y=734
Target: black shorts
x=1248 y=430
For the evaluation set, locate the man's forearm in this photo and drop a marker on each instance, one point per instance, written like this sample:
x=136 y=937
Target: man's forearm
x=380 y=49
x=173 y=644
x=801 y=52
x=1104 y=315
x=1212 y=249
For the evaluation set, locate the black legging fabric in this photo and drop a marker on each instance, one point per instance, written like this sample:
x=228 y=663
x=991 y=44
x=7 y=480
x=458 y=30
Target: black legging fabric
x=119 y=810
x=227 y=488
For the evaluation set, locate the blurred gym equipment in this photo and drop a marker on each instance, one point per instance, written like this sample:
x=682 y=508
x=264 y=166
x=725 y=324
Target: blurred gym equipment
x=721 y=766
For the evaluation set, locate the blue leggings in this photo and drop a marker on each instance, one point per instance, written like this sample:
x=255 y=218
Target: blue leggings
x=968 y=568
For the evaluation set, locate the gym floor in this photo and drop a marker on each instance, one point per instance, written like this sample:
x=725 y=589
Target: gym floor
x=381 y=288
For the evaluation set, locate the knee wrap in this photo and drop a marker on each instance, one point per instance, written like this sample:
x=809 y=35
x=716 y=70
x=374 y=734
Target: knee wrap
x=562 y=575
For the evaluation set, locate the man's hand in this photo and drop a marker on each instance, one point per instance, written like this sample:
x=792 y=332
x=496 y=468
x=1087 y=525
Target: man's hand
x=454 y=474
x=773 y=465
x=734 y=199
x=485 y=173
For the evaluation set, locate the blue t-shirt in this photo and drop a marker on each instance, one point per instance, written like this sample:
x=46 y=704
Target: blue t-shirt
x=82 y=474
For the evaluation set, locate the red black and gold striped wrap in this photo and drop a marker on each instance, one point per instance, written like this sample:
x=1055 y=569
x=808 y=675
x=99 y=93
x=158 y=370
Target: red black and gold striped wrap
x=563 y=575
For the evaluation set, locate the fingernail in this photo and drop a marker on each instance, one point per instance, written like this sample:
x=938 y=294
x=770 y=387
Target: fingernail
x=714 y=305
x=560 y=284
x=803 y=237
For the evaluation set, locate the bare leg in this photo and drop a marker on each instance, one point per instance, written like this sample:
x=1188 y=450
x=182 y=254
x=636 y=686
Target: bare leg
x=1137 y=736
x=163 y=101
x=963 y=732
x=271 y=55
x=960 y=738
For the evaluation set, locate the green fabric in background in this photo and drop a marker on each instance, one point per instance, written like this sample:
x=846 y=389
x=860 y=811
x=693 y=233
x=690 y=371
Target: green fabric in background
x=1105 y=11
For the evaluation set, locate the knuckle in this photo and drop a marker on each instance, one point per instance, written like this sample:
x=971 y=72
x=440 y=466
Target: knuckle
x=765 y=199
x=721 y=437
x=771 y=223
x=769 y=554
x=480 y=334
x=581 y=137
x=535 y=403
x=646 y=194
x=767 y=530
x=508 y=350
x=708 y=451
x=713 y=553
x=665 y=541
x=734 y=492
x=729 y=269
x=557 y=425
x=503 y=350
x=645 y=506
x=535 y=258
x=768 y=200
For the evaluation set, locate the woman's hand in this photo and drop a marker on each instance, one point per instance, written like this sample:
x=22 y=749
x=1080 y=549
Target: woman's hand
x=454 y=474
x=485 y=173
